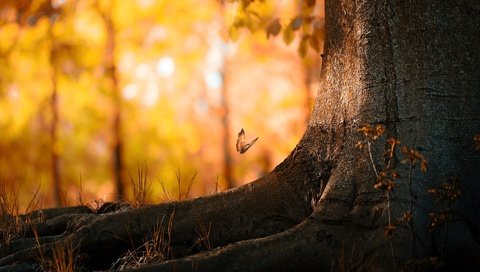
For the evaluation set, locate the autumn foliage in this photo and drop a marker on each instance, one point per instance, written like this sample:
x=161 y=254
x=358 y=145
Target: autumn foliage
x=157 y=85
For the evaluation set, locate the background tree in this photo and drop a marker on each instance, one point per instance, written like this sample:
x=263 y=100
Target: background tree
x=170 y=99
x=55 y=154
x=111 y=67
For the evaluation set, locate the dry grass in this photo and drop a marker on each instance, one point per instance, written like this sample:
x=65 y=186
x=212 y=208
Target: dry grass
x=203 y=240
x=64 y=258
x=182 y=194
x=11 y=224
x=155 y=249
x=140 y=188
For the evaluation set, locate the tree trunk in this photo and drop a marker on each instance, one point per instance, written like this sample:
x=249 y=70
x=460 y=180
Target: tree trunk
x=118 y=144
x=225 y=119
x=54 y=149
x=412 y=67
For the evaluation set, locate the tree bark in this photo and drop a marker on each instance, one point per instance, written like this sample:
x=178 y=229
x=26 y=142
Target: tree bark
x=411 y=66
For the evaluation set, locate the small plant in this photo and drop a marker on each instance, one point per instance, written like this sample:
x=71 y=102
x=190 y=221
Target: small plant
x=385 y=178
x=444 y=195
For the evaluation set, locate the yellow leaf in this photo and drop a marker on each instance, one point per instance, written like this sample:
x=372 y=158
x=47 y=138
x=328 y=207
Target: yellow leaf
x=303 y=47
x=288 y=35
x=233 y=33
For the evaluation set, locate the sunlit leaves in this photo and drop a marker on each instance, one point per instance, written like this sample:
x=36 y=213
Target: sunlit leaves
x=371 y=132
x=274 y=28
x=234 y=33
x=246 y=3
x=303 y=46
x=306 y=25
x=27 y=13
x=310 y=3
x=244 y=19
x=288 y=35
x=392 y=144
x=385 y=181
x=314 y=43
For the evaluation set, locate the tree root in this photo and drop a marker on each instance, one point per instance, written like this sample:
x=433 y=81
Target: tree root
x=269 y=205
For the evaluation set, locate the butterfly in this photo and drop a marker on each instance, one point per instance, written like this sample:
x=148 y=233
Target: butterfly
x=242 y=146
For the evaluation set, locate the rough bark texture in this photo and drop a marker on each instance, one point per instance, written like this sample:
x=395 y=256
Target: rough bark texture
x=412 y=66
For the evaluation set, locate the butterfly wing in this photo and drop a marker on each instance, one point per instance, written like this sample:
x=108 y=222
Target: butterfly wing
x=240 y=141
x=247 y=146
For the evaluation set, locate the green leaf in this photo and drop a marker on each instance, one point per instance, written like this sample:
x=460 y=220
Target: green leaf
x=288 y=35
x=274 y=28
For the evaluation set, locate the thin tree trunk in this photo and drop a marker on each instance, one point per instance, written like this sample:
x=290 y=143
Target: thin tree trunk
x=226 y=143
x=118 y=145
x=227 y=140
x=54 y=149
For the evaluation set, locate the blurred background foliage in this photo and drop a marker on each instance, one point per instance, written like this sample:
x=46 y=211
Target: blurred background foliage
x=94 y=92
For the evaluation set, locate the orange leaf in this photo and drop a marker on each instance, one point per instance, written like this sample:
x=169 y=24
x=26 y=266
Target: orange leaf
x=390 y=230
x=314 y=43
x=274 y=28
x=311 y=3
x=424 y=166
